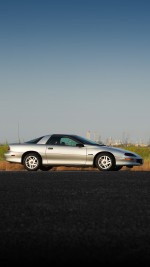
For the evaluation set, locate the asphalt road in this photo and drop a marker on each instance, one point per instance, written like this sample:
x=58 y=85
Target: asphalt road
x=75 y=217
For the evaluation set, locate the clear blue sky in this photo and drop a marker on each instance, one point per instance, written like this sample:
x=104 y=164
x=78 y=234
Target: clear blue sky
x=74 y=65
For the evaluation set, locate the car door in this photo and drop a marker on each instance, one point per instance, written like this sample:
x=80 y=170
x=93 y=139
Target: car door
x=63 y=150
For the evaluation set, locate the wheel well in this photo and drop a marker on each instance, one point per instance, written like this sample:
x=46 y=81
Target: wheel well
x=94 y=160
x=28 y=152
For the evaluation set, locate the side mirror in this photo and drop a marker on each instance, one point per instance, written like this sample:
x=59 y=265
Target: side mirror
x=79 y=145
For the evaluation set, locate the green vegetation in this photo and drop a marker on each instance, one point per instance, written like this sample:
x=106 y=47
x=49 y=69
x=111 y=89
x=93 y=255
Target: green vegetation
x=3 y=149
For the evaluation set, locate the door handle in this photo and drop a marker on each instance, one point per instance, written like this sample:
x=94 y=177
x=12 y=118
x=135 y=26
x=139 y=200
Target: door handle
x=50 y=147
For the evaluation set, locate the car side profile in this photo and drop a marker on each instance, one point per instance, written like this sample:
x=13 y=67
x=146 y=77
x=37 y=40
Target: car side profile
x=48 y=151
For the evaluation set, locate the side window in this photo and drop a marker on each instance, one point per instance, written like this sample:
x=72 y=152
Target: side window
x=54 y=140
x=66 y=141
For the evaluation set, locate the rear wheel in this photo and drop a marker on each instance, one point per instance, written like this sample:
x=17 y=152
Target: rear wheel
x=105 y=162
x=32 y=162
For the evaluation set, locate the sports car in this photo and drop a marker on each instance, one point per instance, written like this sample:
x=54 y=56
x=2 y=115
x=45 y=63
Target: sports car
x=48 y=151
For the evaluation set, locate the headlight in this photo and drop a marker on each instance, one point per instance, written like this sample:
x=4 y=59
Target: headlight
x=129 y=155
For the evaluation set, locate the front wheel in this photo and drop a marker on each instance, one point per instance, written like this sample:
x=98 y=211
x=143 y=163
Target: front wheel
x=105 y=162
x=117 y=168
x=32 y=162
x=45 y=168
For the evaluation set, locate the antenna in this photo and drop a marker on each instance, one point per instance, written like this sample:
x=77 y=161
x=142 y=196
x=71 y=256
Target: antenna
x=18 y=133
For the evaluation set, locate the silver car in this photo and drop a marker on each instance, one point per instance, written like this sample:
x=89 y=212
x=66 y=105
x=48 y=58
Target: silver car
x=69 y=150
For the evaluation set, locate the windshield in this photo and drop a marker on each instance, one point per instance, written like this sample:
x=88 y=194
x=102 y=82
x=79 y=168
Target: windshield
x=87 y=141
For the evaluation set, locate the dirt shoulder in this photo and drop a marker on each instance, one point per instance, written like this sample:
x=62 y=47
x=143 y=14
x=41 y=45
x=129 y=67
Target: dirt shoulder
x=6 y=166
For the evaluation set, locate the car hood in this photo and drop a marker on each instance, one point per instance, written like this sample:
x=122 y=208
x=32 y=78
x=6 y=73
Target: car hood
x=115 y=150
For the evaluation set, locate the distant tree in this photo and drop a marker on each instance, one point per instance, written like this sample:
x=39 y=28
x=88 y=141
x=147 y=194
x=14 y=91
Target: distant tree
x=148 y=143
x=125 y=138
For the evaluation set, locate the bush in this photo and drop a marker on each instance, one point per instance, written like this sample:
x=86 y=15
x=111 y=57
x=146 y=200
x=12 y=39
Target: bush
x=3 y=149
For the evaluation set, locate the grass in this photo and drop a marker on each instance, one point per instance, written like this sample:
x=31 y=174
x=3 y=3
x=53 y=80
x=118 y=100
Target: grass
x=3 y=149
x=144 y=152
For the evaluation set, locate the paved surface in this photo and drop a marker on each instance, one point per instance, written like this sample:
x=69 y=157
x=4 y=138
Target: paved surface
x=75 y=217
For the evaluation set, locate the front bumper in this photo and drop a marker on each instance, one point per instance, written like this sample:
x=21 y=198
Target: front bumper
x=130 y=161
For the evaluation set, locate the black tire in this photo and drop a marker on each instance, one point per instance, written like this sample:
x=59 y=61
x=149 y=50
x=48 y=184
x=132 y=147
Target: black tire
x=117 y=168
x=45 y=168
x=105 y=162
x=32 y=162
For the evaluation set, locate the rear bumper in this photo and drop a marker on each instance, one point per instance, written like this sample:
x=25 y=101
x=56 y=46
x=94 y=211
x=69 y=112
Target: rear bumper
x=12 y=157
